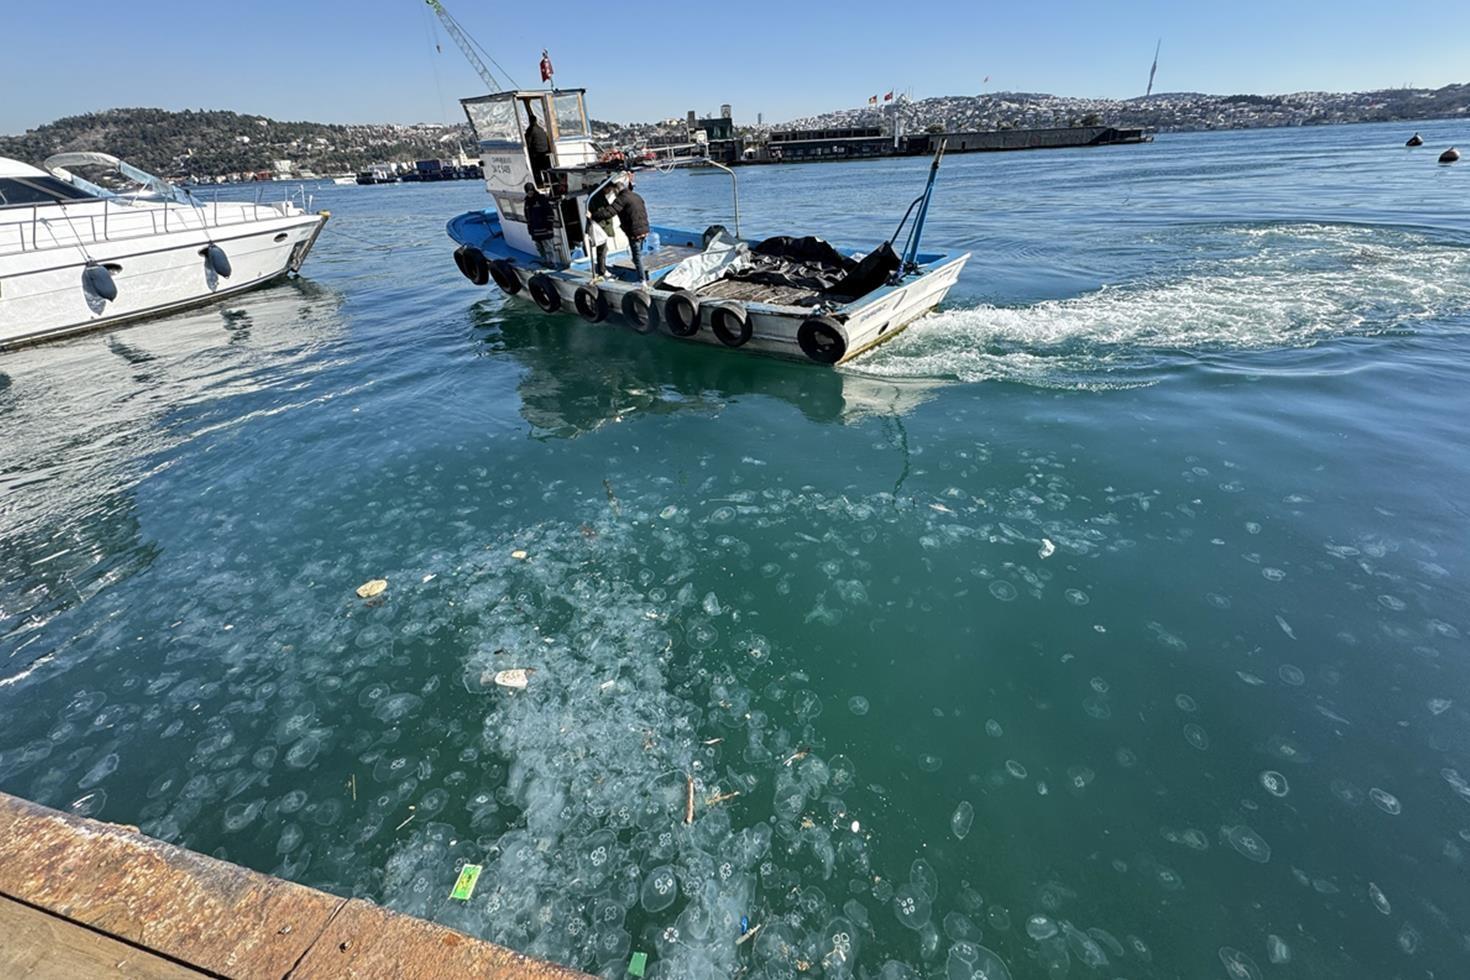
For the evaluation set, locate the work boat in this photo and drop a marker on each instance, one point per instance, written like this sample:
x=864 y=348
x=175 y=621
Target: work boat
x=791 y=295
x=77 y=255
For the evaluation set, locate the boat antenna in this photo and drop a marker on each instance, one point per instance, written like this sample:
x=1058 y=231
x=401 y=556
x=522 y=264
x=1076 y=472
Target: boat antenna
x=469 y=46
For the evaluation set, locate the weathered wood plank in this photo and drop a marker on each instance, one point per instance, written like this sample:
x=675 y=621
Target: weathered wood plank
x=209 y=914
x=366 y=941
x=39 y=946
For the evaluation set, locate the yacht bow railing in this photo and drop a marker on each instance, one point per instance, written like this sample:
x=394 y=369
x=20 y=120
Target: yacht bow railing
x=58 y=225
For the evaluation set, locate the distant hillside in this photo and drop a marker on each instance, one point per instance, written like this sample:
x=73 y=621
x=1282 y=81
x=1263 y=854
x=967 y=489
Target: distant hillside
x=1176 y=111
x=199 y=143
x=203 y=143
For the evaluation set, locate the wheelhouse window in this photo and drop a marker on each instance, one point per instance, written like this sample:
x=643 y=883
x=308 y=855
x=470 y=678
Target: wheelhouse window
x=25 y=191
x=494 y=119
x=570 y=120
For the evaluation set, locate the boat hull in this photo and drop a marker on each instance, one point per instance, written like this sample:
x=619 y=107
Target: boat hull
x=775 y=329
x=43 y=295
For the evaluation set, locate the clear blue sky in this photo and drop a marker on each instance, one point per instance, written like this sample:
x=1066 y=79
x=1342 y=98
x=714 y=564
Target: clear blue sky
x=372 y=60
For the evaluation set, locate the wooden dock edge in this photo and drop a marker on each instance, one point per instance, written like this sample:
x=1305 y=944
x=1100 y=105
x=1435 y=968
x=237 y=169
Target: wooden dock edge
x=85 y=888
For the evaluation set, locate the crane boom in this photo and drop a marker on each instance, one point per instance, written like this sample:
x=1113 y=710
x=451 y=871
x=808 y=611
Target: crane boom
x=452 y=28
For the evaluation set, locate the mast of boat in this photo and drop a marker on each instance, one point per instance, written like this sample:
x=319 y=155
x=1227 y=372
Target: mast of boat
x=911 y=249
x=1153 y=69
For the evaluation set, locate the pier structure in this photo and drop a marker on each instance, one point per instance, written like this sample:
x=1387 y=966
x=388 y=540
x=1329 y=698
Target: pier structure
x=81 y=898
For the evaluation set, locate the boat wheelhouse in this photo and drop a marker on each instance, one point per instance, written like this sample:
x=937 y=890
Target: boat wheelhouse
x=79 y=254
x=789 y=295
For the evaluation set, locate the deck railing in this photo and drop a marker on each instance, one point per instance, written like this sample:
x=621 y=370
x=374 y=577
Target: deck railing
x=59 y=225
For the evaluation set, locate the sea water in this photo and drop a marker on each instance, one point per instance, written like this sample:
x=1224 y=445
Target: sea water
x=1109 y=622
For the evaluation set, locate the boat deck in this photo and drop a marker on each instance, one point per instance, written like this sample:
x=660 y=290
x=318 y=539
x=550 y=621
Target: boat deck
x=663 y=258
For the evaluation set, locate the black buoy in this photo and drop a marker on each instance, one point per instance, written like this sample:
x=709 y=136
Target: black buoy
x=1449 y=156
x=99 y=280
x=1415 y=140
x=217 y=259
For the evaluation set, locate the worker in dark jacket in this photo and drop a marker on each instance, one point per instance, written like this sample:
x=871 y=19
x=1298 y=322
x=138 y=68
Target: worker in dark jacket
x=541 y=223
x=633 y=216
x=538 y=147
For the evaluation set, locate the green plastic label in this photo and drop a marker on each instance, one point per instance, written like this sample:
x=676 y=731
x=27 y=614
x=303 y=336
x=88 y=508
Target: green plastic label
x=638 y=964
x=465 y=886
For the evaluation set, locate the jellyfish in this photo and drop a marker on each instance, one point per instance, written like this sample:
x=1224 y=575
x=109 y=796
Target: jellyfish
x=1379 y=900
x=911 y=906
x=1040 y=927
x=1248 y=843
x=1238 y=966
x=1385 y=801
x=962 y=819
x=1196 y=736
x=659 y=890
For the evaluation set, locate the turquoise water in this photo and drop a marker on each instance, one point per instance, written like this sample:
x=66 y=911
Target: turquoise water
x=1109 y=622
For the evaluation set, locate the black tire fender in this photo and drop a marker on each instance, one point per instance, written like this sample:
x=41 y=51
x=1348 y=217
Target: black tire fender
x=822 y=339
x=544 y=292
x=590 y=302
x=472 y=264
x=682 y=312
x=505 y=277
x=731 y=323
x=639 y=311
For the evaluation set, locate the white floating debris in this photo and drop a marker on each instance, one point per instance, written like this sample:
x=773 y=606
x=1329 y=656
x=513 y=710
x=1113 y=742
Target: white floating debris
x=516 y=677
x=1047 y=548
x=856 y=827
x=372 y=587
x=429 y=578
x=519 y=555
x=941 y=508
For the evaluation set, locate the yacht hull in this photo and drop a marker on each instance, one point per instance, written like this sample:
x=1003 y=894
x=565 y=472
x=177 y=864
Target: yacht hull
x=44 y=295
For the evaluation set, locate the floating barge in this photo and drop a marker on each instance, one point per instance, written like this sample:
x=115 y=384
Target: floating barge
x=871 y=142
x=81 y=898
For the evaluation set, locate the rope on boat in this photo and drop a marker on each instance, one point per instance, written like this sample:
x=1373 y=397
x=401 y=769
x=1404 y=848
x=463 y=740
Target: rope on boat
x=381 y=245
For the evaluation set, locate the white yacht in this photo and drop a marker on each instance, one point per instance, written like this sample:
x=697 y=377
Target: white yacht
x=75 y=255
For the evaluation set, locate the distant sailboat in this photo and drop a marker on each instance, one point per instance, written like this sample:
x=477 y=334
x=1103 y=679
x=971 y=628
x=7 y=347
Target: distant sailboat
x=1153 y=69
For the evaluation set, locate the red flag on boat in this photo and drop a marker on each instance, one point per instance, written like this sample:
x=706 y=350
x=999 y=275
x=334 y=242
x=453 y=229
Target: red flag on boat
x=889 y=96
x=546 y=69
x=872 y=100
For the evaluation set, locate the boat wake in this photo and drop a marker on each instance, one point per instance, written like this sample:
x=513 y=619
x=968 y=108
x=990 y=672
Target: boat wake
x=1248 y=288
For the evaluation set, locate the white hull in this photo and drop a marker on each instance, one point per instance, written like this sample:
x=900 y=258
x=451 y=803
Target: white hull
x=865 y=324
x=42 y=294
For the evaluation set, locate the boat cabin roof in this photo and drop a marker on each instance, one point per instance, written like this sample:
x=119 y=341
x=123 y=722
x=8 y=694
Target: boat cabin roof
x=502 y=117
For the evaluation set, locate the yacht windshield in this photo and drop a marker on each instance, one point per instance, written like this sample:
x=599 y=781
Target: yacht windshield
x=18 y=191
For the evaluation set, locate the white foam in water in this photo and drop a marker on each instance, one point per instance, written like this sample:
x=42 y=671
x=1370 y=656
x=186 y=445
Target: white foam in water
x=1296 y=285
